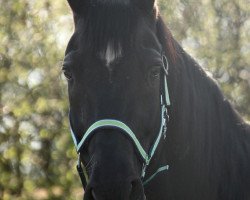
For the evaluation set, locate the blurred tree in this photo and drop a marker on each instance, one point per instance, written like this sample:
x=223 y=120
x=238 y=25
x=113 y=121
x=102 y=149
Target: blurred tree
x=217 y=34
x=37 y=155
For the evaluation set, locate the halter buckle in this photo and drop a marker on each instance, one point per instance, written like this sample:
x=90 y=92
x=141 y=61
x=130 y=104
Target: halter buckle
x=166 y=120
x=144 y=167
x=165 y=64
x=81 y=172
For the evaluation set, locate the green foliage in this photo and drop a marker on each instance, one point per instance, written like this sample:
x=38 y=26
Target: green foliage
x=38 y=159
x=37 y=155
x=216 y=33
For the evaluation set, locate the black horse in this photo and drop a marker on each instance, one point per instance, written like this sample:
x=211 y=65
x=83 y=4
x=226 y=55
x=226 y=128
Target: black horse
x=117 y=64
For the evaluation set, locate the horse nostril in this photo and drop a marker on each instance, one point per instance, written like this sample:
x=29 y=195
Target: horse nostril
x=95 y=195
x=137 y=191
x=119 y=191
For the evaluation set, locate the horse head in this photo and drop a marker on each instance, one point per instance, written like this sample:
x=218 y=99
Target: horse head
x=116 y=72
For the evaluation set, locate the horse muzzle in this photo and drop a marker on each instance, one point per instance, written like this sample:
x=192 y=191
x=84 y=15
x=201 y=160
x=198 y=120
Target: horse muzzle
x=115 y=168
x=126 y=190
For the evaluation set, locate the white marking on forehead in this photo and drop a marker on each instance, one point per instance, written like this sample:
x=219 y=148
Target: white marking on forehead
x=110 y=55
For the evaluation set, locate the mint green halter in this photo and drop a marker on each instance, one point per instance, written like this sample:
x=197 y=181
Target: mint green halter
x=112 y=123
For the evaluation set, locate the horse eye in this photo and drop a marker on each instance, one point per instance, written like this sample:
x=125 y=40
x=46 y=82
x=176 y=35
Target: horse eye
x=155 y=72
x=67 y=74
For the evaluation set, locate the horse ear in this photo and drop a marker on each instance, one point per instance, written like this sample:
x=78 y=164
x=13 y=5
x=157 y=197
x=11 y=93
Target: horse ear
x=146 y=5
x=76 y=5
x=150 y=4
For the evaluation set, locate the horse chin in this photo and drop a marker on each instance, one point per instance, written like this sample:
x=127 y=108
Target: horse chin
x=92 y=196
x=134 y=192
x=142 y=197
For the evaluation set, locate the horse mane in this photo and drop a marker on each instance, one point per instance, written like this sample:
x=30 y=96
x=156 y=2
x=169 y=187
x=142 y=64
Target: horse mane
x=109 y=25
x=205 y=131
x=166 y=39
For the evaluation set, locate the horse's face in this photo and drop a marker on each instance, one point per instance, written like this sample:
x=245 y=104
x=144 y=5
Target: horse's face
x=124 y=86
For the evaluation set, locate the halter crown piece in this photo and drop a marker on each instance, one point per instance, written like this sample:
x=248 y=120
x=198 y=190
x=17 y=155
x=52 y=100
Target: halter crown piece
x=112 y=123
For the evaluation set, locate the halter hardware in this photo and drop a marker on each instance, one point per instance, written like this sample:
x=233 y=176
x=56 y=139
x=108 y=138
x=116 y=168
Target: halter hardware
x=112 y=123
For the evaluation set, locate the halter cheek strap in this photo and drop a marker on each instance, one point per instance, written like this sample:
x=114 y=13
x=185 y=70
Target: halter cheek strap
x=115 y=124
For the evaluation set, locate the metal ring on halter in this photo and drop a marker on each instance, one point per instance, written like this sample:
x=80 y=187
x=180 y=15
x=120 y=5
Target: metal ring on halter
x=165 y=64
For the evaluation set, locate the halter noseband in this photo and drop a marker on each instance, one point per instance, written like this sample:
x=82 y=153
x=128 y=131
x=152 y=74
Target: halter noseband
x=116 y=124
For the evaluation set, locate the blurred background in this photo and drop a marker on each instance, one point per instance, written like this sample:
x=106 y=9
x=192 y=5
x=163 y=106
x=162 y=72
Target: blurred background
x=37 y=154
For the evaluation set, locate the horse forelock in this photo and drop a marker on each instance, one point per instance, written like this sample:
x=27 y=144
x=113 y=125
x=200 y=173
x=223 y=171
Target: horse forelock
x=108 y=28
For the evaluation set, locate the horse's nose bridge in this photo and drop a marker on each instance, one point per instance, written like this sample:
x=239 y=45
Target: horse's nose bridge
x=111 y=106
x=110 y=100
x=111 y=142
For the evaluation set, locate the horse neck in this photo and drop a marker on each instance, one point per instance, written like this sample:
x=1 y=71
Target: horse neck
x=206 y=135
